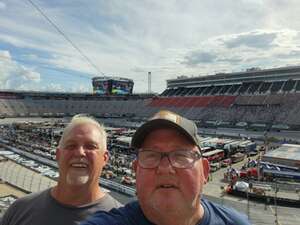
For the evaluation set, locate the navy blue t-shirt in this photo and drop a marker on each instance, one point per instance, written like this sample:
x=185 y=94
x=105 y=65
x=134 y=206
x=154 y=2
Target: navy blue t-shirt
x=131 y=214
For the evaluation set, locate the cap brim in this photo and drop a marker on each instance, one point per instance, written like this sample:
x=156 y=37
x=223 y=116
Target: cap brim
x=146 y=128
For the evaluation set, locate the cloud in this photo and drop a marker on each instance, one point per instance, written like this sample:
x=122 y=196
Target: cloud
x=255 y=39
x=231 y=59
x=58 y=87
x=130 y=38
x=53 y=87
x=289 y=55
x=195 y=58
x=138 y=69
x=234 y=52
x=2 y=5
x=14 y=75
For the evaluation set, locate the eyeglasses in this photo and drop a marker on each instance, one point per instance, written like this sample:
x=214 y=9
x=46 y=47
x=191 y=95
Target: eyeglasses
x=181 y=159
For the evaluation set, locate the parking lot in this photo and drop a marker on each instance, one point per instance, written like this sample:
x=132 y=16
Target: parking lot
x=31 y=176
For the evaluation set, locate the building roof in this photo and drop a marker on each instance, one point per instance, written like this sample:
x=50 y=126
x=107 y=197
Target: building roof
x=250 y=75
x=286 y=151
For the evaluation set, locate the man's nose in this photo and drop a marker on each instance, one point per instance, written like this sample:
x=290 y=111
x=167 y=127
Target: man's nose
x=79 y=150
x=165 y=165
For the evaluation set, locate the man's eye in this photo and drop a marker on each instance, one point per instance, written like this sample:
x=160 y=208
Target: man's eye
x=70 y=146
x=91 y=147
x=151 y=155
x=182 y=156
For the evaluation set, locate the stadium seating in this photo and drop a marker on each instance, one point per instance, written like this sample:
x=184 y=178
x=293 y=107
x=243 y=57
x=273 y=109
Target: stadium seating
x=254 y=101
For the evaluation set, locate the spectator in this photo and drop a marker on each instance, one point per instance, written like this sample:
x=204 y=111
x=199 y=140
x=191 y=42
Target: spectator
x=81 y=155
x=170 y=175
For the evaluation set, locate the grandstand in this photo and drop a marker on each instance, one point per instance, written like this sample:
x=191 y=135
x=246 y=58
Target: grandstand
x=32 y=104
x=267 y=98
x=255 y=96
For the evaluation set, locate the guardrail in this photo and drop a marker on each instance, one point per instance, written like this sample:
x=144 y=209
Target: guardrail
x=118 y=187
x=284 y=186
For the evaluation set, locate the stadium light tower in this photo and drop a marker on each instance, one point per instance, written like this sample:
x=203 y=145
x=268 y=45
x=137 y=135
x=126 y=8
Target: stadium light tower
x=149 y=82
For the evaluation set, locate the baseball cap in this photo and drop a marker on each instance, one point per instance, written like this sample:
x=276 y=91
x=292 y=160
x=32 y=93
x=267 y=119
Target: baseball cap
x=166 y=119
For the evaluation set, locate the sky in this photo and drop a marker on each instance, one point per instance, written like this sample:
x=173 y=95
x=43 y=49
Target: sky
x=61 y=45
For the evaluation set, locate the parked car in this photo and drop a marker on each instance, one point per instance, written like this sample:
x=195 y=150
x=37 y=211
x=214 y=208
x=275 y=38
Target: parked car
x=215 y=166
x=128 y=180
x=237 y=157
x=252 y=153
x=226 y=162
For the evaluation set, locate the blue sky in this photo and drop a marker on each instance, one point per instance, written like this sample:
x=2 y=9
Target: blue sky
x=129 y=38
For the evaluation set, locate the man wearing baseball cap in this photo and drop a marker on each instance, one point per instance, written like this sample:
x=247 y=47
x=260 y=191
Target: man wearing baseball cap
x=170 y=176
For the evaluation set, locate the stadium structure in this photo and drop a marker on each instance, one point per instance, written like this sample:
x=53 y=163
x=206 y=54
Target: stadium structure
x=257 y=98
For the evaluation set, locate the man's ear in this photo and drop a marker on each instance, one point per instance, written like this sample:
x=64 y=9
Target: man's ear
x=134 y=165
x=205 y=169
x=105 y=157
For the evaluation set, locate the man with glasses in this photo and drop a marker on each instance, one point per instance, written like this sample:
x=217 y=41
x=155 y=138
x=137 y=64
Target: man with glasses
x=170 y=175
x=81 y=155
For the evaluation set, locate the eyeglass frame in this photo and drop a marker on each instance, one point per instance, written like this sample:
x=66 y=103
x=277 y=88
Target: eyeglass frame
x=196 y=155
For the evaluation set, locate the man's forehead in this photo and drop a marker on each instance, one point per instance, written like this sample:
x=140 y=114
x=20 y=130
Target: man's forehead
x=83 y=130
x=85 y=140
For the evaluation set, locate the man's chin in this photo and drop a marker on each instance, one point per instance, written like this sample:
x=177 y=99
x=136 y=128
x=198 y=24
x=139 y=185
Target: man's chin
x=169 y=207
x=77 y=180
x=167 y=200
